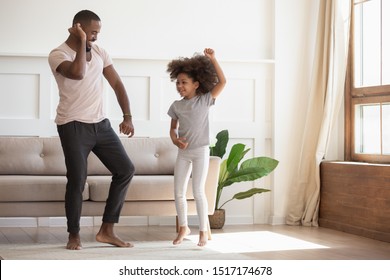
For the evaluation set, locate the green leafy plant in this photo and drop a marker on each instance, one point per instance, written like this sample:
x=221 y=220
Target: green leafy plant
x=232 y=172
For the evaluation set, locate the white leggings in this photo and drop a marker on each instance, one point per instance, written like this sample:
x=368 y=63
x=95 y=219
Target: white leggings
x=197 y=161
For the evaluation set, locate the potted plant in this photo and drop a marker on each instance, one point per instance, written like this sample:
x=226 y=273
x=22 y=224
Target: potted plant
x=231 y=171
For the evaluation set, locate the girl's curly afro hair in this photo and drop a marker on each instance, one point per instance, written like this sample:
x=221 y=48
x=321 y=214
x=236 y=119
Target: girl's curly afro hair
x=198 y=67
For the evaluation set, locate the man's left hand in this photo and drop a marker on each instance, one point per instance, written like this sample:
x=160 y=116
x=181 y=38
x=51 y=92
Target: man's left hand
x=126 y=127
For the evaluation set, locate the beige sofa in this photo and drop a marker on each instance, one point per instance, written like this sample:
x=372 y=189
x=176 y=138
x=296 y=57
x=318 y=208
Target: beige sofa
x=32 y=179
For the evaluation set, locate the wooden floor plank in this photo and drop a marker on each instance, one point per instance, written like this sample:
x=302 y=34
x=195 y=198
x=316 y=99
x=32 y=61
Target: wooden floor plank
x=334 y=245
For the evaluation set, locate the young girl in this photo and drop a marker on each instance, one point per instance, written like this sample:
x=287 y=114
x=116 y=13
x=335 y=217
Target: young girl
x=199 y=80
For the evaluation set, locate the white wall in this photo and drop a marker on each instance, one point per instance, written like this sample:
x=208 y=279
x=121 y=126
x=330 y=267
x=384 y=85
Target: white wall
x=264 y=46
x=145 y=28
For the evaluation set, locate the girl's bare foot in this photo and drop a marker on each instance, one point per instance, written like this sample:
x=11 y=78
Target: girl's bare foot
x=202 y=238
x=74 y=242
x=106 y=235
x=183 y=232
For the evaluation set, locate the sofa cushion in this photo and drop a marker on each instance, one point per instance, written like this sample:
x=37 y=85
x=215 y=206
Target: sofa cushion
x=31 y=156
x=44 y=156
x=34 y=188
x=142 y=188
x=150 y=156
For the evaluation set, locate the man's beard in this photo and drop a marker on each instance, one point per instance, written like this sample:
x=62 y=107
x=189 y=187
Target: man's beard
x=87 y=48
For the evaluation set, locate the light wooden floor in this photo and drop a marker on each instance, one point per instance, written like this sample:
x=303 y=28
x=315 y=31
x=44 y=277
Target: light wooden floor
x=280 y=242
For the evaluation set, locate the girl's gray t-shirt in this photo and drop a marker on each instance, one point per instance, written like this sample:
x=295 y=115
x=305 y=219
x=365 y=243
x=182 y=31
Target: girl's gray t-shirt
x=193 y=117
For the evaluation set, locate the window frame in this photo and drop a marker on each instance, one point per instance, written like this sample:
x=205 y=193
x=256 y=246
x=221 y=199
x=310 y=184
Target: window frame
x=359 y=95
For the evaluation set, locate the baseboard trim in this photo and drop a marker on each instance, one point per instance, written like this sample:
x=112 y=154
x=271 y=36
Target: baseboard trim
x=125 y=221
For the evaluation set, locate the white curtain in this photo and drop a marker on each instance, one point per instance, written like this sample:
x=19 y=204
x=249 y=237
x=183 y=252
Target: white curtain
x=325 y=98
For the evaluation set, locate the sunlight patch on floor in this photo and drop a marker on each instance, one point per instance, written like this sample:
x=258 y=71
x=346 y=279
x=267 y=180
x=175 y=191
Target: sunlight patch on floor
x=258 y=241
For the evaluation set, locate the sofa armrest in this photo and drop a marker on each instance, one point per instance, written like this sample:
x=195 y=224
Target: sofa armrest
x=212 y=182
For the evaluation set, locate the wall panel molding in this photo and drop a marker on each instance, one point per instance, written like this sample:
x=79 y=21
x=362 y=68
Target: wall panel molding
x=19 y=95
x=245 y=108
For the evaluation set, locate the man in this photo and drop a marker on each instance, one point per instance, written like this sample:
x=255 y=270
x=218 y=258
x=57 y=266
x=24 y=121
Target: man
x=79 y=66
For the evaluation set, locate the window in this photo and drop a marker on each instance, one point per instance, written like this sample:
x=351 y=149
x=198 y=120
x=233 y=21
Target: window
x=368 y=83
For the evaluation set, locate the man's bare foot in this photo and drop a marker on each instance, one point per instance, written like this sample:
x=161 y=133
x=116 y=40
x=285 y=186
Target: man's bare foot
x=74 y=242
x=106 y=235
x=202 y=238
x=183 y=232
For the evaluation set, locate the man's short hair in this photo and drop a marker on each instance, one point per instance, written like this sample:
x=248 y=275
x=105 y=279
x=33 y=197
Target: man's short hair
x=85 y=17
